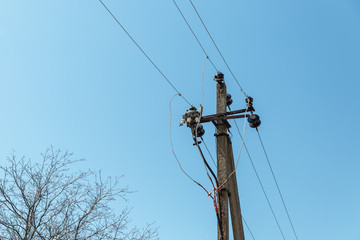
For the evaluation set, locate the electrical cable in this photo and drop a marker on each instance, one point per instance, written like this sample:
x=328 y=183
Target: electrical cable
x=260 y=182
x=217 y=197
x=194 y=131
x=206 y=163
x=207 y=192
x=276 y=183
x=207 y=149
x=219 y=188
x=212 y=39
x=215 y=189
x=187 y=23
x=133 y=40
x=247 y=226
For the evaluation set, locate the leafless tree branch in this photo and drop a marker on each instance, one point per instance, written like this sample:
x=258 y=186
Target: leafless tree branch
x=45 y=201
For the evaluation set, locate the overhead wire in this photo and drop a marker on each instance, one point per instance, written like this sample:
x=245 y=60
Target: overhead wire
x=260 y=182
x=247 y=226
x=277 y=185
x=217 y=48
x=147 y=56
x=179 y=94
x=197 y=39
x=233 y=75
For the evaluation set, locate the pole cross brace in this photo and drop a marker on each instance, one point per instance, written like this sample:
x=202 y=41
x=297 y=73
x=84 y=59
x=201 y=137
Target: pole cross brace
x=225 y=116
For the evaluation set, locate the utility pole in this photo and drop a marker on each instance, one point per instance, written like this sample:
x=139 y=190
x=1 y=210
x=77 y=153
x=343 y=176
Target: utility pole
x=225 y=167
x=222 y=156
x=227 y=190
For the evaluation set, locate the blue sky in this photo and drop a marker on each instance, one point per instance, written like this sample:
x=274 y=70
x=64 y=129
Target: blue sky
x=69 y=77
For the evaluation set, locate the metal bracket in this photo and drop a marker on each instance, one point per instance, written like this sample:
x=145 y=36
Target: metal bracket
x=224 y=116
x=220 y=134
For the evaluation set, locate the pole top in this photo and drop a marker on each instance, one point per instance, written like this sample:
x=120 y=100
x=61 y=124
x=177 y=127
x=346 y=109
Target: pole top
x=219 y=78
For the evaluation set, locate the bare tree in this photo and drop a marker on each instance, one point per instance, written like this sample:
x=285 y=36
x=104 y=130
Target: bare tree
x=46 y=201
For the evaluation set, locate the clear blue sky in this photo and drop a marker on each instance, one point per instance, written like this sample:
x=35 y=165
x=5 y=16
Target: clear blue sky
x=71 y=78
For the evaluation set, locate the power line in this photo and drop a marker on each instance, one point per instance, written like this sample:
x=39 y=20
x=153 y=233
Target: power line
x=132 y=39
x=212 y=39
x=187 y=23
x=247 y=226
x=260 y=182
x=277 y=185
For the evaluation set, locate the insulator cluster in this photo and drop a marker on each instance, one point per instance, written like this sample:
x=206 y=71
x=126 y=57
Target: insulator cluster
x=254 y=120
x=192 y=119
x=229 y=100
x=200 y=131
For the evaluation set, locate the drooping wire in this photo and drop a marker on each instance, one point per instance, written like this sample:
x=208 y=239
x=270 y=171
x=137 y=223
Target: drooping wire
x=242 y=144
x=216 y=196
x=133 y=40
x=207 y=192
x=172 y=147
x=238 y=159
x=277 y=185
x=187 y=23
x=207 y=166
x=212 y=39
x=260 y=182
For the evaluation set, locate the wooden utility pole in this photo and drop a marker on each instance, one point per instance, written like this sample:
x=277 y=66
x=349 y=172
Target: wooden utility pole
x=235 y=210
x=226 y=189
x=222 y=157
x=225 y=168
